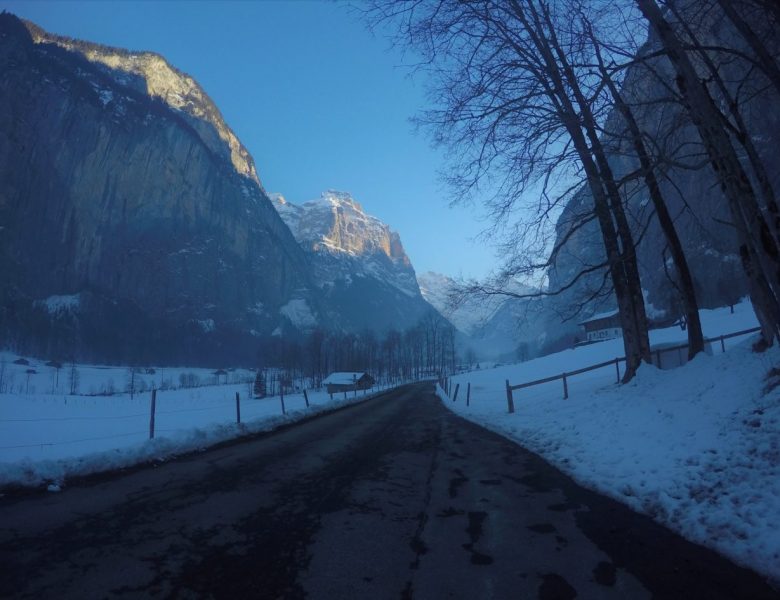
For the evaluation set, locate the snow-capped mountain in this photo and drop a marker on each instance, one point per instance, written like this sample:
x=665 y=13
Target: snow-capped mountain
x=497 y=327
x=470 y=315
x=357 y=261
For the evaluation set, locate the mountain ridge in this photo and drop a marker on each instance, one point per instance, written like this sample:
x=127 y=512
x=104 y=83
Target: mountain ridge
x=171 y=250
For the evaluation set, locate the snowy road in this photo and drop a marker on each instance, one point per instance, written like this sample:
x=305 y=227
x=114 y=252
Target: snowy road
x=393 y=498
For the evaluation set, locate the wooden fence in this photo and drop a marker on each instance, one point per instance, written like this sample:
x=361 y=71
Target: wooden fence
x=564 y=377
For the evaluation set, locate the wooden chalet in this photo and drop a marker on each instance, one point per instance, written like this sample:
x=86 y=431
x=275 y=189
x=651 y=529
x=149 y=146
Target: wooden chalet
x=603 y=326
x=348 y=381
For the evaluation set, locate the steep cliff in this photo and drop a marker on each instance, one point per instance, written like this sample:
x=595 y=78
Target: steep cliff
x=357 y=262
x=122 y=188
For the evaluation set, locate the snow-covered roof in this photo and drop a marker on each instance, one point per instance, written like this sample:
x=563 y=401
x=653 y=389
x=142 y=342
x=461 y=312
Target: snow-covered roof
x=343 y=378
x=599 y=316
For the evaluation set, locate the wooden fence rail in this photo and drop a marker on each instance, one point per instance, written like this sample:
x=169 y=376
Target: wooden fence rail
x=564 y=376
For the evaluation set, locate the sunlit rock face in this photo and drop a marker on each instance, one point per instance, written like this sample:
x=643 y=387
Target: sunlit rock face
x=121 y=183
x=150 y=74
x=358 y=262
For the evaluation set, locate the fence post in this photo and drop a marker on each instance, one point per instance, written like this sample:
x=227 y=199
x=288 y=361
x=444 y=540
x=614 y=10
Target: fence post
x=306 y=397
x=509 y=400
x=722 y=345
x=281 y=397
x=658 y=358
x=565 y=388
x=345 y=394
x=151 y=417
x=455 y=396
x=238 y=410
x=617 y=369
x=468 y=394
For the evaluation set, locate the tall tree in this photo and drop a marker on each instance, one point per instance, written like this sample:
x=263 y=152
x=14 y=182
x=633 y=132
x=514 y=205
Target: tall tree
x=636 y=138
x=767 y=63
x=516 y=98
x=758 y=247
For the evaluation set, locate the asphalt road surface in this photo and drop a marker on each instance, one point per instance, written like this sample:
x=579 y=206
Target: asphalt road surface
x=393 y=498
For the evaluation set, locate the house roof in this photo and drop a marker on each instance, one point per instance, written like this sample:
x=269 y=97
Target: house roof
x=599 y=316
x=343 y=378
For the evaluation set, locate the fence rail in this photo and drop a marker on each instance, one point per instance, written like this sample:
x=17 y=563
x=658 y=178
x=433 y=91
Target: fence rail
x=565 y=376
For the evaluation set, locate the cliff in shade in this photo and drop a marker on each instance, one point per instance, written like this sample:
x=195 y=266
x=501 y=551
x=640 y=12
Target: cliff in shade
x=690 y=189
x=133 y=225
x=358 y=263
x=691 y=192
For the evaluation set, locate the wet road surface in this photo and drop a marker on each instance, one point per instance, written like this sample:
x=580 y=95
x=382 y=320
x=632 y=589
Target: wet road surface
x=393 y=498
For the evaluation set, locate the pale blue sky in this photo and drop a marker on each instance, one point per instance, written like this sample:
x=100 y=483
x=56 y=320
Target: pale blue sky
x=317 y=99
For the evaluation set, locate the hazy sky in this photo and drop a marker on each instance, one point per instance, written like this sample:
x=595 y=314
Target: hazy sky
x=317 y=99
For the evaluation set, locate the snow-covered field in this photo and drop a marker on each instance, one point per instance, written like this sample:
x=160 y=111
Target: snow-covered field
x=47 y=437
x=697 y=447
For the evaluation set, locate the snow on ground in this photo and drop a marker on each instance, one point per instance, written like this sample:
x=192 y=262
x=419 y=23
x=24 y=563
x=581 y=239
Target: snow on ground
x=47 y=437
x=30 y=376
x=697 y=448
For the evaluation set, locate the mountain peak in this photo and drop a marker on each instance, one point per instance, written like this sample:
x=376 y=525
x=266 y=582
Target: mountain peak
x=335 y=227
x=337 y=198
x=336 y=222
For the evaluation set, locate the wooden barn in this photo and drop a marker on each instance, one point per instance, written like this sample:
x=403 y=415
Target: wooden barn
x=348 y=381
x=603 y=326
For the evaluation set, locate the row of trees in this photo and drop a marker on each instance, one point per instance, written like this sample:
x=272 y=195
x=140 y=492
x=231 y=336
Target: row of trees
x=425 y=350
x=538 y=98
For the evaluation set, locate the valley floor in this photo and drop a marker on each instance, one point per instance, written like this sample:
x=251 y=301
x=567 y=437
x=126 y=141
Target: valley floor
x=46 y=438
x=393 y=498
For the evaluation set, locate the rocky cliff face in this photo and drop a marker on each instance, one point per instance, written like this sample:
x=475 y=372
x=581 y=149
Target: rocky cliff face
x=121 y=186
x=357 y=262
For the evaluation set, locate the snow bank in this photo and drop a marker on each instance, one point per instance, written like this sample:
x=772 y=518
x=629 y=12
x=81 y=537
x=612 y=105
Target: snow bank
x=696 y=448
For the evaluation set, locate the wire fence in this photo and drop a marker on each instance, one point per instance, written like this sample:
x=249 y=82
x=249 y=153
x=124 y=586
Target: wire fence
x=229 y=408
x=657 y=353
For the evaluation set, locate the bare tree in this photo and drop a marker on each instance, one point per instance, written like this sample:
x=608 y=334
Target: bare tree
x=516 y=101
x=758 y=246
x=765 y=9
x=73 y=378
x=635 y=135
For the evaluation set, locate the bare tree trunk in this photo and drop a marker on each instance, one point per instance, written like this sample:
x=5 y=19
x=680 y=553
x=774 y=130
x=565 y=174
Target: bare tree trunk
x=623 y=272
x=758 y=249
x=605 y=190
x=741 y=133
x=765 y=60
x=687 y=290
